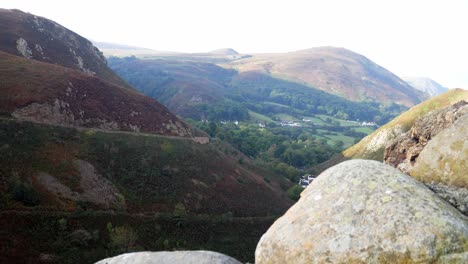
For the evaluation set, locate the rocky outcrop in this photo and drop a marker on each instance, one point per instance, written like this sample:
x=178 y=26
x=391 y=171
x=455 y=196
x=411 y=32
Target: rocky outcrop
x=435 y=151
x=366 y=212
x=175 y=257
x=403 y=151
x=90 y=187
x=444 y=159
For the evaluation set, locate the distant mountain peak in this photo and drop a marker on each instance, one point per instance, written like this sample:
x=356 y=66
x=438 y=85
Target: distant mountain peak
x=225 y=51
x=426 y=85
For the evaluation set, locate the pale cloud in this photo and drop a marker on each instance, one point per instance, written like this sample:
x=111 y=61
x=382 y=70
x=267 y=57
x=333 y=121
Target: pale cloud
x=417 y=37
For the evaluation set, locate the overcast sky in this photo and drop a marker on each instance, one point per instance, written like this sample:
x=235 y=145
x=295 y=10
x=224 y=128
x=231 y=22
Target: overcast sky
x=408 y=37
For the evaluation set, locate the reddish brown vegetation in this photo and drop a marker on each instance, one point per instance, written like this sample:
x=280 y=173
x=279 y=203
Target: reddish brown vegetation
x=89 y=98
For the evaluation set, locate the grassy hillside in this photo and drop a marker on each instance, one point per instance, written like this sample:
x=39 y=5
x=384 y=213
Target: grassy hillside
x=149 y=173
x=206 y=91
x=372 y=146
x=336 y=71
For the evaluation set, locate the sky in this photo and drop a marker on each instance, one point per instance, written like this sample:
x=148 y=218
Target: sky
x=408 y=37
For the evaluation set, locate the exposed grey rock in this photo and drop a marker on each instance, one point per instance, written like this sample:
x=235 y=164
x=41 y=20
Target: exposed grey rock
x=23 y=48
x=456 y=196
x=404 y=150
x=365 y=212
x=174 y=257
x=445 y=158
x=92 y=187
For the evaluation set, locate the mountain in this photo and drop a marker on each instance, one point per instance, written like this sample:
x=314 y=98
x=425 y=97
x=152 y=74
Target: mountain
x=426 y=85
x=372 y=146
x=334 y=70
x=215 y=91
x=39 y=38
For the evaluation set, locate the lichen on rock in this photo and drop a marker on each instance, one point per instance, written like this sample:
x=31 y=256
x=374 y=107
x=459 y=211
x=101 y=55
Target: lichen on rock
x=365 y=212
x=174 y=257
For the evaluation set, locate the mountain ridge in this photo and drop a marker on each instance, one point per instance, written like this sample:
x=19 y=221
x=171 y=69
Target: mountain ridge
x=34 y=37
x=337 y=71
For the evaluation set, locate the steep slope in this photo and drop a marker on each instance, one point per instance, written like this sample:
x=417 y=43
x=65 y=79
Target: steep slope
x=335 y=70
x=38 y=38
x=372 y=146
x=42 y=92
x=426 y=85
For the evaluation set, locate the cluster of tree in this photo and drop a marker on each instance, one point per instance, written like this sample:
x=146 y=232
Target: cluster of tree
x=282 y=149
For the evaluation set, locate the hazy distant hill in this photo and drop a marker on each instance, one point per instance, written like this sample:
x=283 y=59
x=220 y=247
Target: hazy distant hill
x=335 y=70
x=429 y=86
x=226 y=51
x=39 y=38
x=109 y=45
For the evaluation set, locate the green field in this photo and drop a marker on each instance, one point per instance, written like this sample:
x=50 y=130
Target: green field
x=286 y=117
x=256 y=117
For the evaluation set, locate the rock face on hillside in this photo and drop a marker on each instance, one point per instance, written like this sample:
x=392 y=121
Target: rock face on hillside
x=366 y=212
x=175 y=257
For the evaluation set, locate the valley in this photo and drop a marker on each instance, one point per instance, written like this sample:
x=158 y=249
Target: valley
x=108 y=149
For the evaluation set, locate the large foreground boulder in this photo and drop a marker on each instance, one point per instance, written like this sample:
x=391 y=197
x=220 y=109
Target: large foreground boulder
x=366 y=212
x=171 y=257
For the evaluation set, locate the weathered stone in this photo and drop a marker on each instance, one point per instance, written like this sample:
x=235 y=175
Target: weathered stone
x=175 y=257
x=365 y=212
x=456 y=196
x=404 y=150
x=445 y=157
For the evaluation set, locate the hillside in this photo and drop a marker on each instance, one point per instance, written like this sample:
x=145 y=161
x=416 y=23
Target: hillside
x=426 y=85
x=372 y=146
x=183 y=86
x=42 y=92
x=39 y=38
x=334 y=70
x=75 y=146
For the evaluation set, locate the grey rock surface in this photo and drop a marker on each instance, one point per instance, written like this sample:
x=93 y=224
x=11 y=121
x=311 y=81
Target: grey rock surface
x=445 y=157
x=171 y=257
x=403 y=151
x=363 y=211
